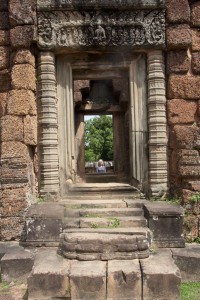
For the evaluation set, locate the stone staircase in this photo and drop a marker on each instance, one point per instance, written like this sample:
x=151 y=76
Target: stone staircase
x=110 y=225
x=94 y=244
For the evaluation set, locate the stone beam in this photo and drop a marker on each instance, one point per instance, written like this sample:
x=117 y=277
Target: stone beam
x=136 y=29
x=99 y=4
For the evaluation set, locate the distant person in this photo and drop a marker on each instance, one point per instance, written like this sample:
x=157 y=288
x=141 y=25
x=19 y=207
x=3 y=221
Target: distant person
x=101 y=167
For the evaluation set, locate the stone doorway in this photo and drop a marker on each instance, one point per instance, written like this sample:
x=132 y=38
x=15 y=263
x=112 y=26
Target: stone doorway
x=115 y=104
x=147 y=139
x=128 y=76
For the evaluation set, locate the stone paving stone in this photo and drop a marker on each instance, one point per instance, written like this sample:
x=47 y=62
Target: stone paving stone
x=88 y=280
x=161 y=277
x=124 y=280
x=49 y=277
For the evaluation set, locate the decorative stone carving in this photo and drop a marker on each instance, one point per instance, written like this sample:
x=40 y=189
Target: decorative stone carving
x=157 y=124
x=98 y=4
x=48 y=127
x=135 y=29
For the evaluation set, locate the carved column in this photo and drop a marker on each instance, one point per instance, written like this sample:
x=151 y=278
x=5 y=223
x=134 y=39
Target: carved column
x=157 y=123
x=138 y=122
x=48 y=127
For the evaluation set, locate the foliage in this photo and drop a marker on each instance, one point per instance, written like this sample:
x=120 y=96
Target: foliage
x=99 y=138
x=190 y=291
x=113 y=223
x=195 y=198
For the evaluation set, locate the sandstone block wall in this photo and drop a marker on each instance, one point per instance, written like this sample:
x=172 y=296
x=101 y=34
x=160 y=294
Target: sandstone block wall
x=18 y=114
x=183 y=99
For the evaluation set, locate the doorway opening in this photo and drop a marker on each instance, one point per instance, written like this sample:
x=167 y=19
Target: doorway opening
x=101 y=129
x=98 y=144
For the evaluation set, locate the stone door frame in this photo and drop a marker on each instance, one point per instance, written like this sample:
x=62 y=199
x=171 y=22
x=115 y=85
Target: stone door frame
x=57 y=158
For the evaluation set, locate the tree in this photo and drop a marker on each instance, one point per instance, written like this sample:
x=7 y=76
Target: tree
x=99 y=139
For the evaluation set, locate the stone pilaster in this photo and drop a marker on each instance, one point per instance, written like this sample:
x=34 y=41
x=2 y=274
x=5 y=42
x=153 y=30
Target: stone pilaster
x=48 y=125
x=157 y=124
x=138 y=122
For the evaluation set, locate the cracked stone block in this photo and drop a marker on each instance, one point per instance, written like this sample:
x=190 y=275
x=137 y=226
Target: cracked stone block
x=124 y=280
x=88 y=280
x=49 y=277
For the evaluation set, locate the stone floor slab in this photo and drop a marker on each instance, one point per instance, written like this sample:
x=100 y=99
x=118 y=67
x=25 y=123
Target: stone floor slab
x=124 y=280
x=88 y=280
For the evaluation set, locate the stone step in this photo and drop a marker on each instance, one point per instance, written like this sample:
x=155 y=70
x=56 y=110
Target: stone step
x=84 y=195
x=49 y=277
x=102 y=203
x=112 y=222
x=101 y=178
x=130 y=231
x=104 y=212
x=103 y=246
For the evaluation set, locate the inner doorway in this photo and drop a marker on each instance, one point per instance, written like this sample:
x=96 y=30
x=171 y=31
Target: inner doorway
x=101 y=108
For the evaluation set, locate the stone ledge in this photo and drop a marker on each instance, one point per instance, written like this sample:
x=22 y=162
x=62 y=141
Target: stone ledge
x=96 y=4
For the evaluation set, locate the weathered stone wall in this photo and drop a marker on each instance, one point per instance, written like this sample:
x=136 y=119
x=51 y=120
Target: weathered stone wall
x=183 y=100
x=18 y=121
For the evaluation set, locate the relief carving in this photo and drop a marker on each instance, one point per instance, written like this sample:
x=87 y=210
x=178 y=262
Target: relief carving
x=93 y=28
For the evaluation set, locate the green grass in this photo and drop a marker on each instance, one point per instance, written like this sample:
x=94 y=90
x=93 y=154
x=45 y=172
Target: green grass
x=190 y=291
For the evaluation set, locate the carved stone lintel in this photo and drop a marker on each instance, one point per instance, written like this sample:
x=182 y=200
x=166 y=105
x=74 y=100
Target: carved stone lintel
x=157 y=123
x=112 y=28
x=99 y=4
x=48 y=127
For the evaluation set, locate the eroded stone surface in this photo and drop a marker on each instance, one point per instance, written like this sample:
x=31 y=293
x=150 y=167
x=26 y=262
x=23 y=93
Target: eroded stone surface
x=88 y=280
x=22 y=14
x=11 y=129
x=23 y=77
x=178 y=13
x=4 y=57
x=15 y=264
x=124 y=280
x=21 y=102
x=177 y=62
x=181 y=111
x=23 y=56
x=49 y=277
x=178 y=37
x=161 y=277
x=22 y=36
x=184 y=87
x=195 y=14
x=196 y=63
x=188 y=261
